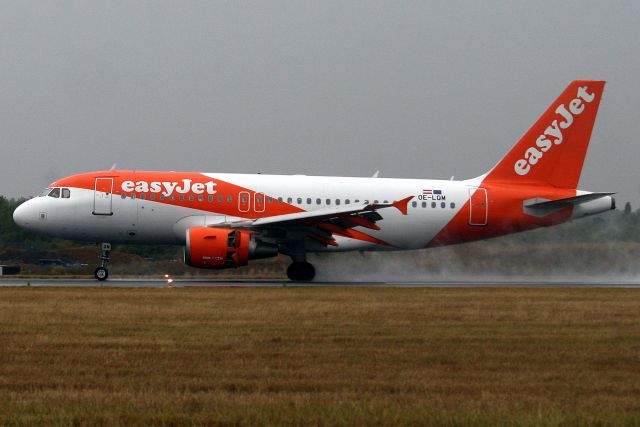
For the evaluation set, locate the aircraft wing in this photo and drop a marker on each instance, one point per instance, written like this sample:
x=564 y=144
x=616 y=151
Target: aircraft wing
x=316 y=215
x=322 y=224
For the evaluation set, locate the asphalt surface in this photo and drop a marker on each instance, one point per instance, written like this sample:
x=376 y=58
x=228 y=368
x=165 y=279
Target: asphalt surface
x=238 y=283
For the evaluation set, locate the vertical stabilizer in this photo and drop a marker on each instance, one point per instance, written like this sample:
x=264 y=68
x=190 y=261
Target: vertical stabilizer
x=552 y=152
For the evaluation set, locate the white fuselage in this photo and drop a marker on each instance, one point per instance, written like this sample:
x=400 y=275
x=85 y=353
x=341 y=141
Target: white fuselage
x=138 y=220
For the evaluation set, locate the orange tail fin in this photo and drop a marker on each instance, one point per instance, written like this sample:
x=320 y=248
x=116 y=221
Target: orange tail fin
x=552 y=152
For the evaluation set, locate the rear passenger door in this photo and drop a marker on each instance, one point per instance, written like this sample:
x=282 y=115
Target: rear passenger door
x=478 y=206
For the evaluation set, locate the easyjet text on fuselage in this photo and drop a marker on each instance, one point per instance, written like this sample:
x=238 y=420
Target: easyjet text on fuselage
x=168 y=187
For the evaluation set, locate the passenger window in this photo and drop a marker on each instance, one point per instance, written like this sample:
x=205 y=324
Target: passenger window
x=414 y=204
x=55 y=193
x=200 y=199
x=299 y=200
x=162 y=197
x=210 y=198
x=328 y=202
x=453 y=205
x=443 y=205
x=346 y=202
x=152 y=197
x=433 y=204
x=142 y=197
x=279 y=199
x=424 y=204
x=229 y=199
x=308 y=200
x=66 y=193
x=318 y=201
x=337 y=201
x=269 y=199
x=123 y=196
x=181 y=197
x=133 y=196
x=220 y=198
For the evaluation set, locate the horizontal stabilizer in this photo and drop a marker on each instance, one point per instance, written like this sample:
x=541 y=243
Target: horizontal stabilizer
x=561 y=203
x=581 y=205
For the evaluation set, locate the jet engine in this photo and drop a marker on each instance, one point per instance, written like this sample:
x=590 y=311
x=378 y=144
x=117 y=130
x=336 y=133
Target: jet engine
x=218 y=248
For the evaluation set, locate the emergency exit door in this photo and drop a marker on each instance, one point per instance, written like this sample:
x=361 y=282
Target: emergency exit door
x=244 y=201
x=102 y=203
x=258 y=202
x=478 y=206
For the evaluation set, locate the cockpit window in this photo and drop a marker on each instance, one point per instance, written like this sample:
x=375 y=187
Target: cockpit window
x=66 y=193
x=55 y=193
x=45 y=192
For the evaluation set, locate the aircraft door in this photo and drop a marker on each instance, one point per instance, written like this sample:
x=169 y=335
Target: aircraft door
x=258 y=202
x=478 y=206
x=102 y=203
x=244 y=201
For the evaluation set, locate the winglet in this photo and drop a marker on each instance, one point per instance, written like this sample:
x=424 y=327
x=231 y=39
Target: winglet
x=402 y=205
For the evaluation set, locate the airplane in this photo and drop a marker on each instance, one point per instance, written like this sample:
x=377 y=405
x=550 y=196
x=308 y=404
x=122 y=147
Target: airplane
x=226 y=220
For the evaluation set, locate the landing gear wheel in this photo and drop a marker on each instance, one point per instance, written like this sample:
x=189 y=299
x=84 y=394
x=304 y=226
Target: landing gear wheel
x=101 y=274
x=301 y=272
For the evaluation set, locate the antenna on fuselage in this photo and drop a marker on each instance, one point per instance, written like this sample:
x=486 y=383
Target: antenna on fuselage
x=375 y=175
x=113 y=167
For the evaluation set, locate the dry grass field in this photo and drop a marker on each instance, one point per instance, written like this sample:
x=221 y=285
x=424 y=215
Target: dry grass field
x=319 y=356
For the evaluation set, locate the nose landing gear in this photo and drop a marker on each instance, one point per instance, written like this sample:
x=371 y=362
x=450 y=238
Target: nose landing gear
x=101 y=273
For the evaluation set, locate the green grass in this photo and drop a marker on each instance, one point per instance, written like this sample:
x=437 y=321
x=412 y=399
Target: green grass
x=320 y=356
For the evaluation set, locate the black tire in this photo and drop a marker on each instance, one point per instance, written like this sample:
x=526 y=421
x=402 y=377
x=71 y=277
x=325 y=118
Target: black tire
x=301 y=272
x=101 y=274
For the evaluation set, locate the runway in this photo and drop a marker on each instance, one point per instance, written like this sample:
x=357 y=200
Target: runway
x=253 y=283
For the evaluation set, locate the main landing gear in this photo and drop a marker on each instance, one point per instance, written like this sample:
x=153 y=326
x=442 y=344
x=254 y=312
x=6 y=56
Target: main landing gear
x=101 y=273
x=301 y=271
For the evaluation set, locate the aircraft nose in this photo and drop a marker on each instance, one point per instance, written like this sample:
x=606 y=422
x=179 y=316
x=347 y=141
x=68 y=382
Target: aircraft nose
x=22 y=216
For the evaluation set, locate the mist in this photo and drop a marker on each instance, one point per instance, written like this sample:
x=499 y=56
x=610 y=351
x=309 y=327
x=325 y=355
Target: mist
x=601 y=249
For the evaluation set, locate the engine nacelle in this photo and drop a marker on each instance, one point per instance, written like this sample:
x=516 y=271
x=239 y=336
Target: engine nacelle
x=217 y=248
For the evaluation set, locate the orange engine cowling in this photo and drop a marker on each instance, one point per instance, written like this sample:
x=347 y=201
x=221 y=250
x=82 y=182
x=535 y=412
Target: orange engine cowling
x=210 y=247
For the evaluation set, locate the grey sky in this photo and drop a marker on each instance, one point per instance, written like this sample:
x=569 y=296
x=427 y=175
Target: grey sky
x=416 y=89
